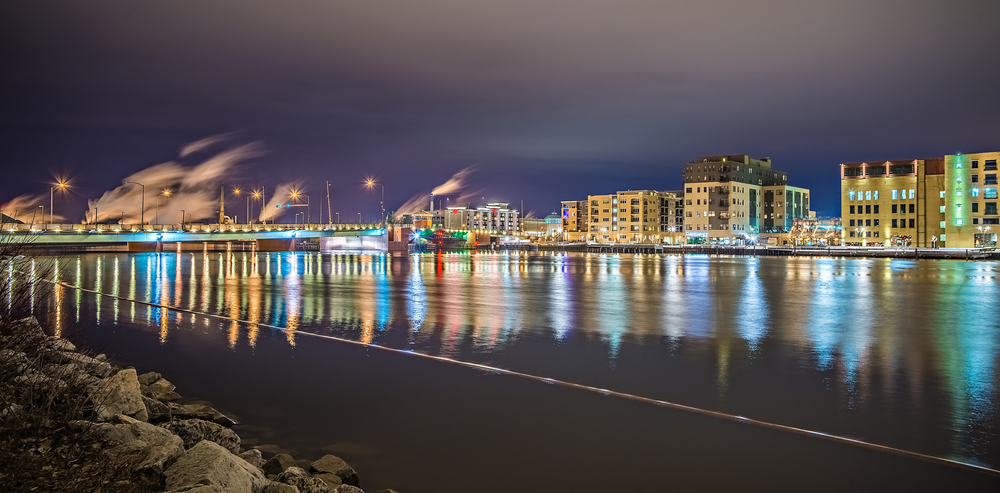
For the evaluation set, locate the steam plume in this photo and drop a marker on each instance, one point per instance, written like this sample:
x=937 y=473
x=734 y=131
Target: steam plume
x=454 y=184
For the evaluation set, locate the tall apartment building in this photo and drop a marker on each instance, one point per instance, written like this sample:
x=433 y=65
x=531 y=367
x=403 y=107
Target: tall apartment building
x=574 y=219
x=733 y=199
x=893 y=203
x=969 y=200
x=631 y=216
x=494 y=217
x=672 y=215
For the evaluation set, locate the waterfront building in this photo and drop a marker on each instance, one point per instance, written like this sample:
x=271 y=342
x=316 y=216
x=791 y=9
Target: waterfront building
x=672 y=215
x=549 y=227
x=735 y=199
x=574 y=220
x=631 y=216
x=494 y=217
x=814 y=231
x=969 y=200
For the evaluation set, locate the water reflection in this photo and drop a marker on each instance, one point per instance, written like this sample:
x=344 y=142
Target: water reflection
x=887 y=341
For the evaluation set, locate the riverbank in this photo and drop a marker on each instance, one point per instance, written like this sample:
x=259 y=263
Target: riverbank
x=72 y=422
x=780 y=251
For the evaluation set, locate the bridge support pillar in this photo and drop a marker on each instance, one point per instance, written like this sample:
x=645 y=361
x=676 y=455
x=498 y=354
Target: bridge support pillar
x=145 y=246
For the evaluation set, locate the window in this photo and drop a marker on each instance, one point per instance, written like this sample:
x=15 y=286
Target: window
x=942 y=225
x=991 y=220
x=975 y=191
x=893 y=207
x=975 y=207
x=876 y=234
x=868 y=209
x=975 y=178
x=975 y=164
x=876 y=222
x=875 y=194
x=913 y=223
x=991 y=165
x=991 y=179
x=852 y=234
x=912 y=209
x=975 y=220
x=895 y=195
x=868 y=194
x=990 y=193
x=958 y=222
x=868 y=222
x=942 y=194
x=942 y=209
x=876 y=209
x=688 y=189
x=894 y=224
x=852 y=209
x=991 y=208
x=913 y=194
x=852 y=222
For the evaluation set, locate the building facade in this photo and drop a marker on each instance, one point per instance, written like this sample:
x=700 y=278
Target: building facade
x=969 y=200
x=494 y=217
x=574 y=220
x=632 y=216
x=734 y=199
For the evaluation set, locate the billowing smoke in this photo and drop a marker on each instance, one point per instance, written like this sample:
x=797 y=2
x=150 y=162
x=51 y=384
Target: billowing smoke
x=419 y=202
x=25 y=207
x=193 y=189
x=282 y=195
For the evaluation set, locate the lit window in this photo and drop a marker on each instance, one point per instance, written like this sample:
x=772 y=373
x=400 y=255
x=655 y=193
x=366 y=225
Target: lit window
x=942 y=225
x=942 y=194
x=958 y=164
x=958 y=222
x=868 y=195
x=895 y=195
x=913 y=193
x=942 y=237
x=942 y=209
x=851 y=194
x=876 y=195
x=975 y=192
x=959 y=179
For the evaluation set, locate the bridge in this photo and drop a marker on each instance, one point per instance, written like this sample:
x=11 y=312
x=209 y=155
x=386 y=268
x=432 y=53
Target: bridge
x=189 y=237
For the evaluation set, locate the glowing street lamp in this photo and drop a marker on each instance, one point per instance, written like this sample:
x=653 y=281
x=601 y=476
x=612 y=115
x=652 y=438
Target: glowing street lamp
x=165 y=193
x=61 y=186
x=296 y=194
x=371 y=184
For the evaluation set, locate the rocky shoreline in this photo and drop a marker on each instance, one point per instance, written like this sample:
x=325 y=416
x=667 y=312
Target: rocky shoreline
x=86 y=424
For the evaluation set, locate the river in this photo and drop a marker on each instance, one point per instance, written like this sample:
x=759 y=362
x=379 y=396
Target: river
x=897 y=353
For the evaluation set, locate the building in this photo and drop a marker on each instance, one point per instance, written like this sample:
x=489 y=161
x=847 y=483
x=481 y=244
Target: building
x=672 y=214
x=734 y=199
x=632 y=216
x=816 y=232
x=893 y=203
x=968 y=200
x=574 y=220
x=494 y=217
x=550 y=227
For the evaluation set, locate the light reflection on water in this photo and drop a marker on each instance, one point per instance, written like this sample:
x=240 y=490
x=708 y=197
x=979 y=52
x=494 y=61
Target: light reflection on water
x=905 y=344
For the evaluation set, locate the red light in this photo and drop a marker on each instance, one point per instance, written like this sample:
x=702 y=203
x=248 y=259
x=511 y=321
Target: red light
x=440 y=243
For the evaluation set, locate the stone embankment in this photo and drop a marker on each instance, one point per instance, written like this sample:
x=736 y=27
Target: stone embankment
x=87 y=424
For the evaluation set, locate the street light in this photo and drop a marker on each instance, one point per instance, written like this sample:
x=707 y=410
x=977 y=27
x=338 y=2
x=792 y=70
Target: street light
x=371 y=184
x=61 y=186
x=359 y=218
x=296 y=194
x=165 y=193
x=256 y=195
x=142 y=204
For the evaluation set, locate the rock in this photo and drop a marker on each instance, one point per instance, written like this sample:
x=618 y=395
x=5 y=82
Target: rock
x=349 y=488
x=155 y=409
x=147 y=378
x=118 y=394
x=161 y=390
x=275 y=487
x=39 y=380
x=92 y=366
x=157 y=445
x=18 y=361
x=278 y=464
x=388 y=490
x=198 y=488
x=191 y=411
x=193 y=431
x=208 y=464
x=299 y=478
x=336 y=465
x=331 y=479
x=26 y=328
x=60 y=344
x=253 y=457
x=103 y=358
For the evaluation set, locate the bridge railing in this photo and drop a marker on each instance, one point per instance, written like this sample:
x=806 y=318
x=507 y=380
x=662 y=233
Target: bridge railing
x=190 y=227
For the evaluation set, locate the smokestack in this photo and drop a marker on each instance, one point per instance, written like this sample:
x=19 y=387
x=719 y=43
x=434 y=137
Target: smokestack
x=222 y=204
x=432 y=204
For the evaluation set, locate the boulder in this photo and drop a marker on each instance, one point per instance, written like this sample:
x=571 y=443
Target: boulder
x=253 y=457
x=60 y=344
x=275 y=487
x=198 y=488
x=335 y=465
x=18 y=361
x=27 y=328
x=278 y=464
x=349 y=488
x=100 y=369
x=118 y=394
x=156 y=445
x=40 y=381
x=207 y=463
x=161 y=390
x=331 y=479
x=193 y=431
x=156 y=409
x=147 y=378
x=299 y=478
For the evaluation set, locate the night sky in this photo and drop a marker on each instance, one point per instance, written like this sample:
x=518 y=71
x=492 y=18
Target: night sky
x=550 y=100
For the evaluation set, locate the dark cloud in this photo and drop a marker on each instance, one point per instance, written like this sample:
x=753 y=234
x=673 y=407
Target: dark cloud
x=553 y=99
